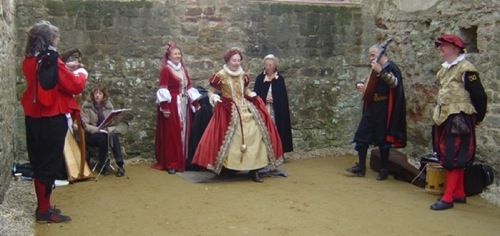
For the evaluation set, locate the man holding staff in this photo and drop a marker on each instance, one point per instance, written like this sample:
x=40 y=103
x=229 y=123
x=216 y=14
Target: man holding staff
x=383 y=122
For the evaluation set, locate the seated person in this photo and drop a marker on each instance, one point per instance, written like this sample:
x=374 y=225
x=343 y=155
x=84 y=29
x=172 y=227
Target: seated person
x=94 y=110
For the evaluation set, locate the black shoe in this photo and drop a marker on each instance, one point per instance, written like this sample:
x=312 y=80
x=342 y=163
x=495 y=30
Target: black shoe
x=254 y=175
x=440 y=205
x=382 y=174
x=171 y=171
x=356 y=170
x=228 y=173
x=51 y=216
x=457 y=200
x=120 y=172
x=51 y=209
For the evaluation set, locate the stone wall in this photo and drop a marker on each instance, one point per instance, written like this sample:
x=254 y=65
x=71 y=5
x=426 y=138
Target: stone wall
x=8 y=100
x=322 y=47
x=414 y=25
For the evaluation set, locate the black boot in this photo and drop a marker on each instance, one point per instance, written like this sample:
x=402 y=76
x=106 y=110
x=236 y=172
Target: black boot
x=356 y=170
x=254 y=175
x=360 y=168
x=384 y=162
x=120 y=172
x=382 y=174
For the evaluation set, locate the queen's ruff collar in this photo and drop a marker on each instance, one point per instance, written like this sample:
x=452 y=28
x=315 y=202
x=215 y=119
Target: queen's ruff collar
x=233 y=73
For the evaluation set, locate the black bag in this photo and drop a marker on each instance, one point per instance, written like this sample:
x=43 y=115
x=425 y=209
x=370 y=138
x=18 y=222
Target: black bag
x=25 y=169
x=459 y=126
x=488 y=175
x=473 y=180
x=477 y=177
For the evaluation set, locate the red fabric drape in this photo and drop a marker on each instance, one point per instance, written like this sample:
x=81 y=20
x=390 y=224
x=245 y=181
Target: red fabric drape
x=214 y=134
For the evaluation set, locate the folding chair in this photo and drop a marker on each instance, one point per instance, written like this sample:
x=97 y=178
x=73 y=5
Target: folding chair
x=107 y=161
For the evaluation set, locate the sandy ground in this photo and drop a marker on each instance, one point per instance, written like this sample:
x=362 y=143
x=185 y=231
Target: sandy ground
x=315 y=199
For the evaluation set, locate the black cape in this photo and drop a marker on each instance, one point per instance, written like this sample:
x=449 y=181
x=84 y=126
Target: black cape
x=198 y=126
x=384 y=121
x=397 y=114
x=280 y=106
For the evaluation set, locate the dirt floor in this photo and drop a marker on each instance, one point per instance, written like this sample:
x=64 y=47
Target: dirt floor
x=315 y=199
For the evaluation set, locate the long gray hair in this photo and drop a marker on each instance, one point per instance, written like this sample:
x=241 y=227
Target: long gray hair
x=41 y=36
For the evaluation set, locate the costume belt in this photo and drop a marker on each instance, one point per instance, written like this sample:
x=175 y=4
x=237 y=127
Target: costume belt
x=377 y=98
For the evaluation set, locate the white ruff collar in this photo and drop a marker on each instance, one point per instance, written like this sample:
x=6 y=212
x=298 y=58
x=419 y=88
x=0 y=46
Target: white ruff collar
x=270 y=78
x=174 y=66
x=233 y=73
x=456 y=61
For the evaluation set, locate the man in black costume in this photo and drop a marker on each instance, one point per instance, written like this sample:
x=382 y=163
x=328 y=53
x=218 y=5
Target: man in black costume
x=383 y=121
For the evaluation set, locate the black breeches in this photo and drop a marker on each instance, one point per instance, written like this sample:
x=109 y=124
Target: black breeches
x=372 y=126
x=45 y=139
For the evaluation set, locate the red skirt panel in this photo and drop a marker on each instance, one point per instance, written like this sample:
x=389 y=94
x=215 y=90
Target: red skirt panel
x=170 y=150
x=211 y=141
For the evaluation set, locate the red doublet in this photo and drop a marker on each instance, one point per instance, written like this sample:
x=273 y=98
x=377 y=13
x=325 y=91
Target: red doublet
x=68 y=84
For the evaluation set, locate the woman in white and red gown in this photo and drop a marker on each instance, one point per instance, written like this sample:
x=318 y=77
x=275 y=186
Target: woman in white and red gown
x=175 y=101
x=241 y=135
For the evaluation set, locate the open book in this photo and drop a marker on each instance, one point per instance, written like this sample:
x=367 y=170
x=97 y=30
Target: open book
x=115 y=116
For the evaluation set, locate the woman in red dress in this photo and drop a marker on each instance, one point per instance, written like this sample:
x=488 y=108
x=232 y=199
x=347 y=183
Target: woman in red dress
x=241 y=135
x=175 y=100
